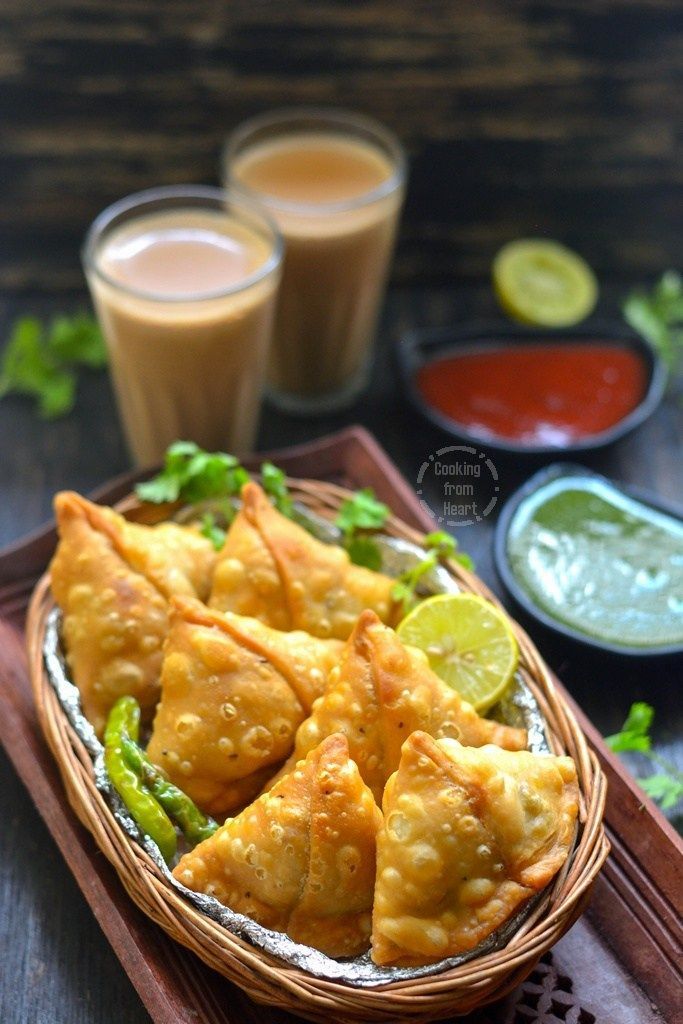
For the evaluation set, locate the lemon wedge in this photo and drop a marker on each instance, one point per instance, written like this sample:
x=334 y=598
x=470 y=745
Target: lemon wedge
x=469 y=643
x=544 y=284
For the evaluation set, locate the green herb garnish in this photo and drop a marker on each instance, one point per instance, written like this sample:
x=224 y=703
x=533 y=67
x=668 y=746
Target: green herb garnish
x=365 y=551
x=42 y=363
x=359 y=513
x=212 y=531
x=665 y=787
x=439 y=545
x=191 y=474
x=275 y=484
x=658 y=316
x=77 y=339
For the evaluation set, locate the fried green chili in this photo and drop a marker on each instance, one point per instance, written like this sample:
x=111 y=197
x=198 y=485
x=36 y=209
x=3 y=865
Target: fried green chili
x=124 y=724
x=195 y=826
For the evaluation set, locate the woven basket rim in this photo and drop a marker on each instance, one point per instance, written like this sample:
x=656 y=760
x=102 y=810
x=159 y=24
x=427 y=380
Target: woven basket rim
x=265 y=978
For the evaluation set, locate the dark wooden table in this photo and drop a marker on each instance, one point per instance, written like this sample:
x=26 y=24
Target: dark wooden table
x=56 y=966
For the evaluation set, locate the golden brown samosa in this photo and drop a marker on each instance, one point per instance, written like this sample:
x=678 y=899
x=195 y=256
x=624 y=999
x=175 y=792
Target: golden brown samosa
x=233 y=692
x=300 y=859
x=304 y=660
x=112 y=579
x=469 y=835
x=274 y=570
x=382 y=691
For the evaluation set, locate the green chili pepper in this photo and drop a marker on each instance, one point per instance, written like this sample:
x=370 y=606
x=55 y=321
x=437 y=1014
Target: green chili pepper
x=124 y=724
x=195 y=826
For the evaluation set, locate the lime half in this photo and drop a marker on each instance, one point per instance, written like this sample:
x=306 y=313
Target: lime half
x=544 y=284
x=469 y=643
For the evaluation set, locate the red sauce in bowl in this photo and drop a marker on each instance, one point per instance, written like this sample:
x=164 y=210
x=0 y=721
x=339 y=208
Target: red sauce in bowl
x=536 y=394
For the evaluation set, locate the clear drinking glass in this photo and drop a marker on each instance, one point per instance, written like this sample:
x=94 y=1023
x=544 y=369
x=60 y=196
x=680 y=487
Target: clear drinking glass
x=184 y=281
x=334 y=183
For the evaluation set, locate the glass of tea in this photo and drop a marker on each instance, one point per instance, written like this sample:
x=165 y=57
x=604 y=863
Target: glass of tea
x=184 y=281
x=334 y=183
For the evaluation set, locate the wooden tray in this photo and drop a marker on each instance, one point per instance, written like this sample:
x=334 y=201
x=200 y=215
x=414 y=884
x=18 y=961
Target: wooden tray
x=620 y=962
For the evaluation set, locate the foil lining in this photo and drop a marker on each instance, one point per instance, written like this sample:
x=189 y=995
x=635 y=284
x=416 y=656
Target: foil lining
x=519 y=708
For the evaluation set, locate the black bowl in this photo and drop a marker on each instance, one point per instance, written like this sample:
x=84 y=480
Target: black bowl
x=526 y=602
x=418 y=347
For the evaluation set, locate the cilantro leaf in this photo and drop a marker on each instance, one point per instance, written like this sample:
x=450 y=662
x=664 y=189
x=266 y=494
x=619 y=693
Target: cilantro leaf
x=57 y=395
x=365 y=551
x=634 y=734
x=447 y=547
x=191 y=474
x=27 y=368
x=211 y=530
x=439 y=545
x=665 y=787
x=42 y=365
x=77 y=339
x=274 y=484
x=403 y=593
x=658 y=317
x=441 y=542
x=362 y=511
x=667 y=791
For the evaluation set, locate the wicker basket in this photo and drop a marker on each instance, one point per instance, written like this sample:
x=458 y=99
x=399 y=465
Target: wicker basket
x=263 y=977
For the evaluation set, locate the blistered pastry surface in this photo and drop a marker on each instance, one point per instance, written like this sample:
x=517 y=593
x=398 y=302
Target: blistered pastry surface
x=519 y=709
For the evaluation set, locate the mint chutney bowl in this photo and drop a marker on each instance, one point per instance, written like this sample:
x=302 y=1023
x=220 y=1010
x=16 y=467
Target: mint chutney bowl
x=594 y=561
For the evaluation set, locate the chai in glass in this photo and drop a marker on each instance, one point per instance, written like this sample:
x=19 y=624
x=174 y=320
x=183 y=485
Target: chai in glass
x=184 y=282
x=334 y=183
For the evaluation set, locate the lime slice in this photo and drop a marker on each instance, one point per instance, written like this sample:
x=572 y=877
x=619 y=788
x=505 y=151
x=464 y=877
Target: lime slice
x=544 y=284
x=469 y=643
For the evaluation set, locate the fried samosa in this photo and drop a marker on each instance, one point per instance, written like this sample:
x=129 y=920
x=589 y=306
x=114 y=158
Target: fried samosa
x=112 y=579
x=380 y=692
x=300 y=859
x=304 y=660
x=469 y=835
x=272 y=569
x=233 y=693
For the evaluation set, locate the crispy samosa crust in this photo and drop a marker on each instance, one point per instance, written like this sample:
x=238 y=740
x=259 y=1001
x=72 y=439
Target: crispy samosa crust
x=300 y=859
x=382 y=691
x=274 y=570
x=304 y=660
x=233 y=693
x=111 y=579
x=469 y=835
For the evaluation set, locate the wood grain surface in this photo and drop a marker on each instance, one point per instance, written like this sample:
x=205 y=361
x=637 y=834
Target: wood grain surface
x=555 y=117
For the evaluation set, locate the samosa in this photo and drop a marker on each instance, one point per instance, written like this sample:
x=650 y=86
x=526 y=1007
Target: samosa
x=300 y=859
x=112 y=580
x=469 y=835
x=380 y=692
x=274 y=570
x=233 y=693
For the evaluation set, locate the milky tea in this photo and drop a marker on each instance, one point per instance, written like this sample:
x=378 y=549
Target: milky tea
x=336 y=196
x=186 y=297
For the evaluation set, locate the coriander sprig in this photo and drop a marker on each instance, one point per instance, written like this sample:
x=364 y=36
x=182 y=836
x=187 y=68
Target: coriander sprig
x=193 y=475
x=658 y=316
x=42 y=362
x=275 y=484
x=665 y=787
x=212 y=530
x=439 y=545
x=359 y=513
x=190 y=474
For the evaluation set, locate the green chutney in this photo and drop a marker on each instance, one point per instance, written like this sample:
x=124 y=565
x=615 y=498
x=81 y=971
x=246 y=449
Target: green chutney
x=600 y=562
